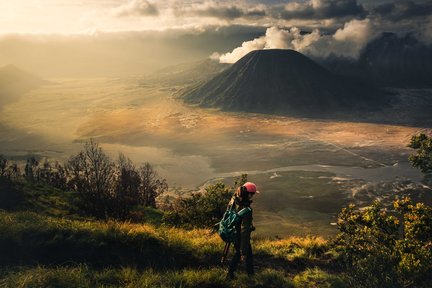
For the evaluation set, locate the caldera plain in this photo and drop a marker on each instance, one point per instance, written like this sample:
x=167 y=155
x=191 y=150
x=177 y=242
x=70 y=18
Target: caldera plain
x=306 y=169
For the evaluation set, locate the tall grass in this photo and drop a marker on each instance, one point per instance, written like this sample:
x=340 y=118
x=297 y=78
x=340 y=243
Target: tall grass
x=129 y=277
x=26 y=238
x=83 y=276
x=75 y=253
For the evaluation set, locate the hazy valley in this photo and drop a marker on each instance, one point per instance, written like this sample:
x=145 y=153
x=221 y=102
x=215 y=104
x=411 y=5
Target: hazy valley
x=306 y=168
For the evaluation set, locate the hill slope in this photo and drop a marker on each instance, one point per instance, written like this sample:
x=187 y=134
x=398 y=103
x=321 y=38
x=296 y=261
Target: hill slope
x=186 y=73
x=283 y=82
x=388 y=60
x=14 y=82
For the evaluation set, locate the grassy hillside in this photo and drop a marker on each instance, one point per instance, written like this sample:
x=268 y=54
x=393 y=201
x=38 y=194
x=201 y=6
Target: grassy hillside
x=45 y=243
x=46 y=240
x=38 y=251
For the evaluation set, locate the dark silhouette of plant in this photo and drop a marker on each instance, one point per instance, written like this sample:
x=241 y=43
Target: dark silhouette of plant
x=108 y=189
x=127 y=187
x=151 y=185
x=91 y=174
x=30 y=167
x=3 y=166
x=52 y=174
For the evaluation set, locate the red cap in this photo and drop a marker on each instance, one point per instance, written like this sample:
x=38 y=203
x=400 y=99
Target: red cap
x=251 y=187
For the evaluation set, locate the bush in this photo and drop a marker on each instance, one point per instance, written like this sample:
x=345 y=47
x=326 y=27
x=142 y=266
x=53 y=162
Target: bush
x=383 y=250
x=423 y=157
x=200 y=209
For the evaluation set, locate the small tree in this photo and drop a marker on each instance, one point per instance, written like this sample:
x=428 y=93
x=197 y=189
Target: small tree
x=52 y=174
x=127 y=190
x=30 y=167
x=13 y=172
x=151 y=185
x=3 y=166
x=91 y=174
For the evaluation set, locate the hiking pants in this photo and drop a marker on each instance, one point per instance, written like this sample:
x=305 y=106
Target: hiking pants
x=236 y=259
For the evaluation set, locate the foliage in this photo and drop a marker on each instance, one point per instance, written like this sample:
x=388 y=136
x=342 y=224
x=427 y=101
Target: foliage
x=91 y=174
x=383 y=250
x=30 y=166
x=202 y=209
x=127 y=187
x=108 y=189
x=104 y=188
x=52 y=174
x=423 y=157
x=8 y=171
x=151 y=186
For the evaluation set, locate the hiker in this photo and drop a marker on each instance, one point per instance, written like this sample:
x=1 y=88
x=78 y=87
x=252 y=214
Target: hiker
x=242 y=246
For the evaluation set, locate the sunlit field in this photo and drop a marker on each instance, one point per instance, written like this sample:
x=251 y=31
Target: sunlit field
x=307 y=169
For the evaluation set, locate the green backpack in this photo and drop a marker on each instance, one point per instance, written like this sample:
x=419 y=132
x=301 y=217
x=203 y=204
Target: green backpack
x=226 y=228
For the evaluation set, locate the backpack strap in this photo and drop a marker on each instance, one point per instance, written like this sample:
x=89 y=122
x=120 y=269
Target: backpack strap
x=244 y=211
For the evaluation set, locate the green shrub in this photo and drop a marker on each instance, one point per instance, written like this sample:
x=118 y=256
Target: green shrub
x=423 y=157
x=200 y=209
x=383 y=250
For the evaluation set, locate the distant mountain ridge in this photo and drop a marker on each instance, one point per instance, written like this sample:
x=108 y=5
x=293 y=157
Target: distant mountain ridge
x=14 y=82
x=388 y=60
x=186 y=73
x=282 y=82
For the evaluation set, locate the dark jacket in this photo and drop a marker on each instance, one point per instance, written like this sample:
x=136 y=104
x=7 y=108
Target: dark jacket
x=245 y=227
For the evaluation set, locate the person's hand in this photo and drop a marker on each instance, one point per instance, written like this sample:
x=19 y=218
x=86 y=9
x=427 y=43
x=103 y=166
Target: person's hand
x=242 y=258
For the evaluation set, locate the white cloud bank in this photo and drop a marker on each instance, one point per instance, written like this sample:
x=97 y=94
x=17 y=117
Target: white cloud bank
x=346 y=41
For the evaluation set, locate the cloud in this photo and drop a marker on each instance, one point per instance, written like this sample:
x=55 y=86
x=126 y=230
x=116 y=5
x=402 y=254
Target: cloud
x=346 y=41
x=309 y=10
x=320 y=9
x=136 y=8
x=239 y=52
x=404 y=17
x=397 y=11
x=226 y=11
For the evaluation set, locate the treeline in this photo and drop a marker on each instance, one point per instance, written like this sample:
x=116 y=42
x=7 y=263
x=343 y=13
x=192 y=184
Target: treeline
x=104 y=188
x=118 y=189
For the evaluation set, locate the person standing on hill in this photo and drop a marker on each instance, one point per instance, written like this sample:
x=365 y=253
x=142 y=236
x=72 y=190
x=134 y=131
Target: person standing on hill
x=242 y=246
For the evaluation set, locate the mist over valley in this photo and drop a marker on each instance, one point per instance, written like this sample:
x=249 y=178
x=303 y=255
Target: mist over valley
x=308 y=168
x=315 y=100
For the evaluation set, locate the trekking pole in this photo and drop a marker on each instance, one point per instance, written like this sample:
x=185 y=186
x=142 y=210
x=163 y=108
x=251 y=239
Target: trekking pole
x=225 y=253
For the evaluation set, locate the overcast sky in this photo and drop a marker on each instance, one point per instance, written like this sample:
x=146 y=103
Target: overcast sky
x=79 y=16
x=70 y=33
